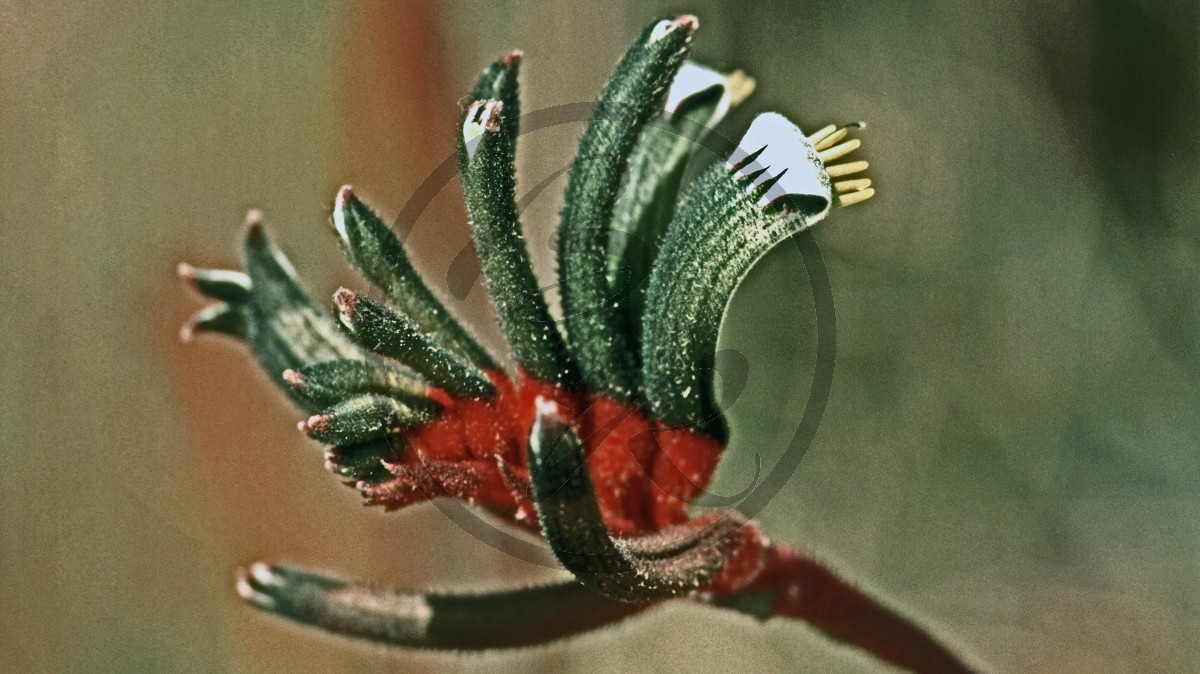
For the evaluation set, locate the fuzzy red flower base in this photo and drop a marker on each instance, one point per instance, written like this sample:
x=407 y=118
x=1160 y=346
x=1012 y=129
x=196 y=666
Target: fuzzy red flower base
x=647 y=473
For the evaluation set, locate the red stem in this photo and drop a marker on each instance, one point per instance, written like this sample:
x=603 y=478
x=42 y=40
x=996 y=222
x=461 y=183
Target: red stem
x=804 y=589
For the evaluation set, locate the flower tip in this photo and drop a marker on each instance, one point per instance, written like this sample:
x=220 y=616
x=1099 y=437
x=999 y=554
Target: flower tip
x=187 y=332
x=294 y=378
x=346 y=301
x=264 y=575
x=254 y=583
x=483 y=116
x=186 y=273
x=688 y=21
x=314 y=425
x=545 y=408
x=512 y=59
x=344 y=196
x=244 y=589
x=189 y=275
x=776 y=159
x=254 y=223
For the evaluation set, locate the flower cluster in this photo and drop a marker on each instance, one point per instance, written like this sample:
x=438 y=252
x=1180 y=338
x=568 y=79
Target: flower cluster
x=600 y=438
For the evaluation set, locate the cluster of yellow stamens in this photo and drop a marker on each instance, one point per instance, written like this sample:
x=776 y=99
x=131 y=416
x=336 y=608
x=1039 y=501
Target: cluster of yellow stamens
x=829 y=146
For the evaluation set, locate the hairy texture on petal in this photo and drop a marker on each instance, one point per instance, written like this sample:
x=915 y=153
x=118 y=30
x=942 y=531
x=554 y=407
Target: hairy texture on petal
x=266 y=308
x=667 y=563
x=697 y=101
x=443 y=621
x=371 y=246
x=395 y=335
x=486 y=150
x=366 y=461
x=367 y=417
x=726 y=222
x=333 y=381
x=636 y=90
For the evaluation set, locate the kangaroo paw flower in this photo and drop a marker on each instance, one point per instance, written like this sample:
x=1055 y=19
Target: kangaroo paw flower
x=599 y=439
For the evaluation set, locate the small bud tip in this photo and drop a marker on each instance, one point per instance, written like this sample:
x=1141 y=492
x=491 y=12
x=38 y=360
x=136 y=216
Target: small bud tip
x=294 y=378
x=344 y=196
x=346 y=302
x=187 y=332
x=245 y=590
x=314 y=425
x=512 y=59
x=254 y=223
x=186 y=273
x=483 y=116
x=688 y=21
x=546 y=408
x=264 y=574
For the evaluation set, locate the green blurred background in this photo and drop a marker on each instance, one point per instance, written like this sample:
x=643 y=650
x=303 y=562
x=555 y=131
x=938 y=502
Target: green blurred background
x=1008 y=451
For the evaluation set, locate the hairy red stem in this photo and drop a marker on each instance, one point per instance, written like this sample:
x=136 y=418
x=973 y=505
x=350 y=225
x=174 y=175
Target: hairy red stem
x=800 y=587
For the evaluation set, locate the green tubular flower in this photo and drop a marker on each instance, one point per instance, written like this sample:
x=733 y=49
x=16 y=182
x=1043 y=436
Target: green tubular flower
x=486 y=151
x=395 y=335
x=637 y=88
x=268 y=310
x=377 y=254
x=664 y=564
x=327 y=383
x=773 y=185
x=697 y=101
x=602 y=439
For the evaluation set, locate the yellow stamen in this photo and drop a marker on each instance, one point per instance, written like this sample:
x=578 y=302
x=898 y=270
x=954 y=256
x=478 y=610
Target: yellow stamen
x=820 y=135
x=828 y=142
x=853 y=198
x=852 y=185
x=740 y=86
x=840 y=150
x=839 y=170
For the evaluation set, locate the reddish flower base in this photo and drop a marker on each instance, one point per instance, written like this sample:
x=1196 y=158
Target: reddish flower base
x=645 y=473
x=645 y=476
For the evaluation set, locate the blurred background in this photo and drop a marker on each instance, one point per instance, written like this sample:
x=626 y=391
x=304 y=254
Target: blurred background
x=1008 y=451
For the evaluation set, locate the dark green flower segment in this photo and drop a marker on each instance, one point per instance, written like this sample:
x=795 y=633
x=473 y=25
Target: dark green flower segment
x=604 y=429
